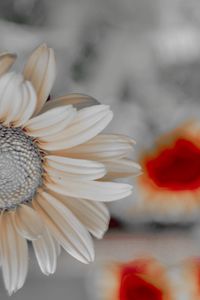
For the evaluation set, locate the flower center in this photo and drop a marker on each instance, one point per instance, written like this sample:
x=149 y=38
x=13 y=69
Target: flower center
x=133 y=288
x=20 y=167
x=176 y=167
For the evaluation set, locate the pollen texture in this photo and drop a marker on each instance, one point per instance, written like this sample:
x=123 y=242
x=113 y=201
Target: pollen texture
x=20 y=167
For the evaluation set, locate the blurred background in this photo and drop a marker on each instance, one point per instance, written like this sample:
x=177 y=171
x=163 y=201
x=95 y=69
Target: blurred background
x=143 y=58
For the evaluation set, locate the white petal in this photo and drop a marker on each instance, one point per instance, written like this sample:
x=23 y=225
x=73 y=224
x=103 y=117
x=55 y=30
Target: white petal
x=102 y=147
x=28 y=105
x=51 y=122
x=14 y=254
x=8 y=84
x=46 y=252
x=40 y=70
x=91 y=190
x=85 y=169
x=14 y=103
x=77 y=100
x=88 y=123
x=65 y=227
x=28 y=223
x=6 y=61
x=57 y=247
x=93 y=215
x=119 y=168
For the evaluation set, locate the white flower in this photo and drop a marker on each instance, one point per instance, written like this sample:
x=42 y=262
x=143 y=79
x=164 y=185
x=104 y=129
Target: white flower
x=54 y=168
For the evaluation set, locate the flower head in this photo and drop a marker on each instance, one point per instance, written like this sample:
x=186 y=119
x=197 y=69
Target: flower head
x=54 y=169
x=142 y=278
x=170 y=183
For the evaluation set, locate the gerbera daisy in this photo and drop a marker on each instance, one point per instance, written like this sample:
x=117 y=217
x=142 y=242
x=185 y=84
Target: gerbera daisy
x=142 y=278
x=53 y=169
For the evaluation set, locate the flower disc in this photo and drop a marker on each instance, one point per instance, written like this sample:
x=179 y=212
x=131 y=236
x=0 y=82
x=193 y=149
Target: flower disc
x=20 y=167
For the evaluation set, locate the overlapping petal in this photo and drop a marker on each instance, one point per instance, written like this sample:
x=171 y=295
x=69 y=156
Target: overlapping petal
x=57 y=166
x=40 y=70
x=28 y=223
x=6 y=61
x=79 y=101
x=93 y=215
x=87 y=124
x=102 y=147
x=17 y=99
x=51 y=122
x=65 y=227
x=14 y=255
x=119 y=168
x=91 y=190
x=46 y=252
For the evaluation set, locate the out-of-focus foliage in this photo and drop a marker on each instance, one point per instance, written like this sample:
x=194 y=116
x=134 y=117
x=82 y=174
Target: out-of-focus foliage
x=30 y=12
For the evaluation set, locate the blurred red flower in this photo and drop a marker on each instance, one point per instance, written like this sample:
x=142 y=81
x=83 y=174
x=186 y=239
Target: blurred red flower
x=141 y=279
x=170 y=181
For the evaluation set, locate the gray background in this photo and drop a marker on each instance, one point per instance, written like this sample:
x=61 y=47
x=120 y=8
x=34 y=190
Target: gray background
x=141 y=57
